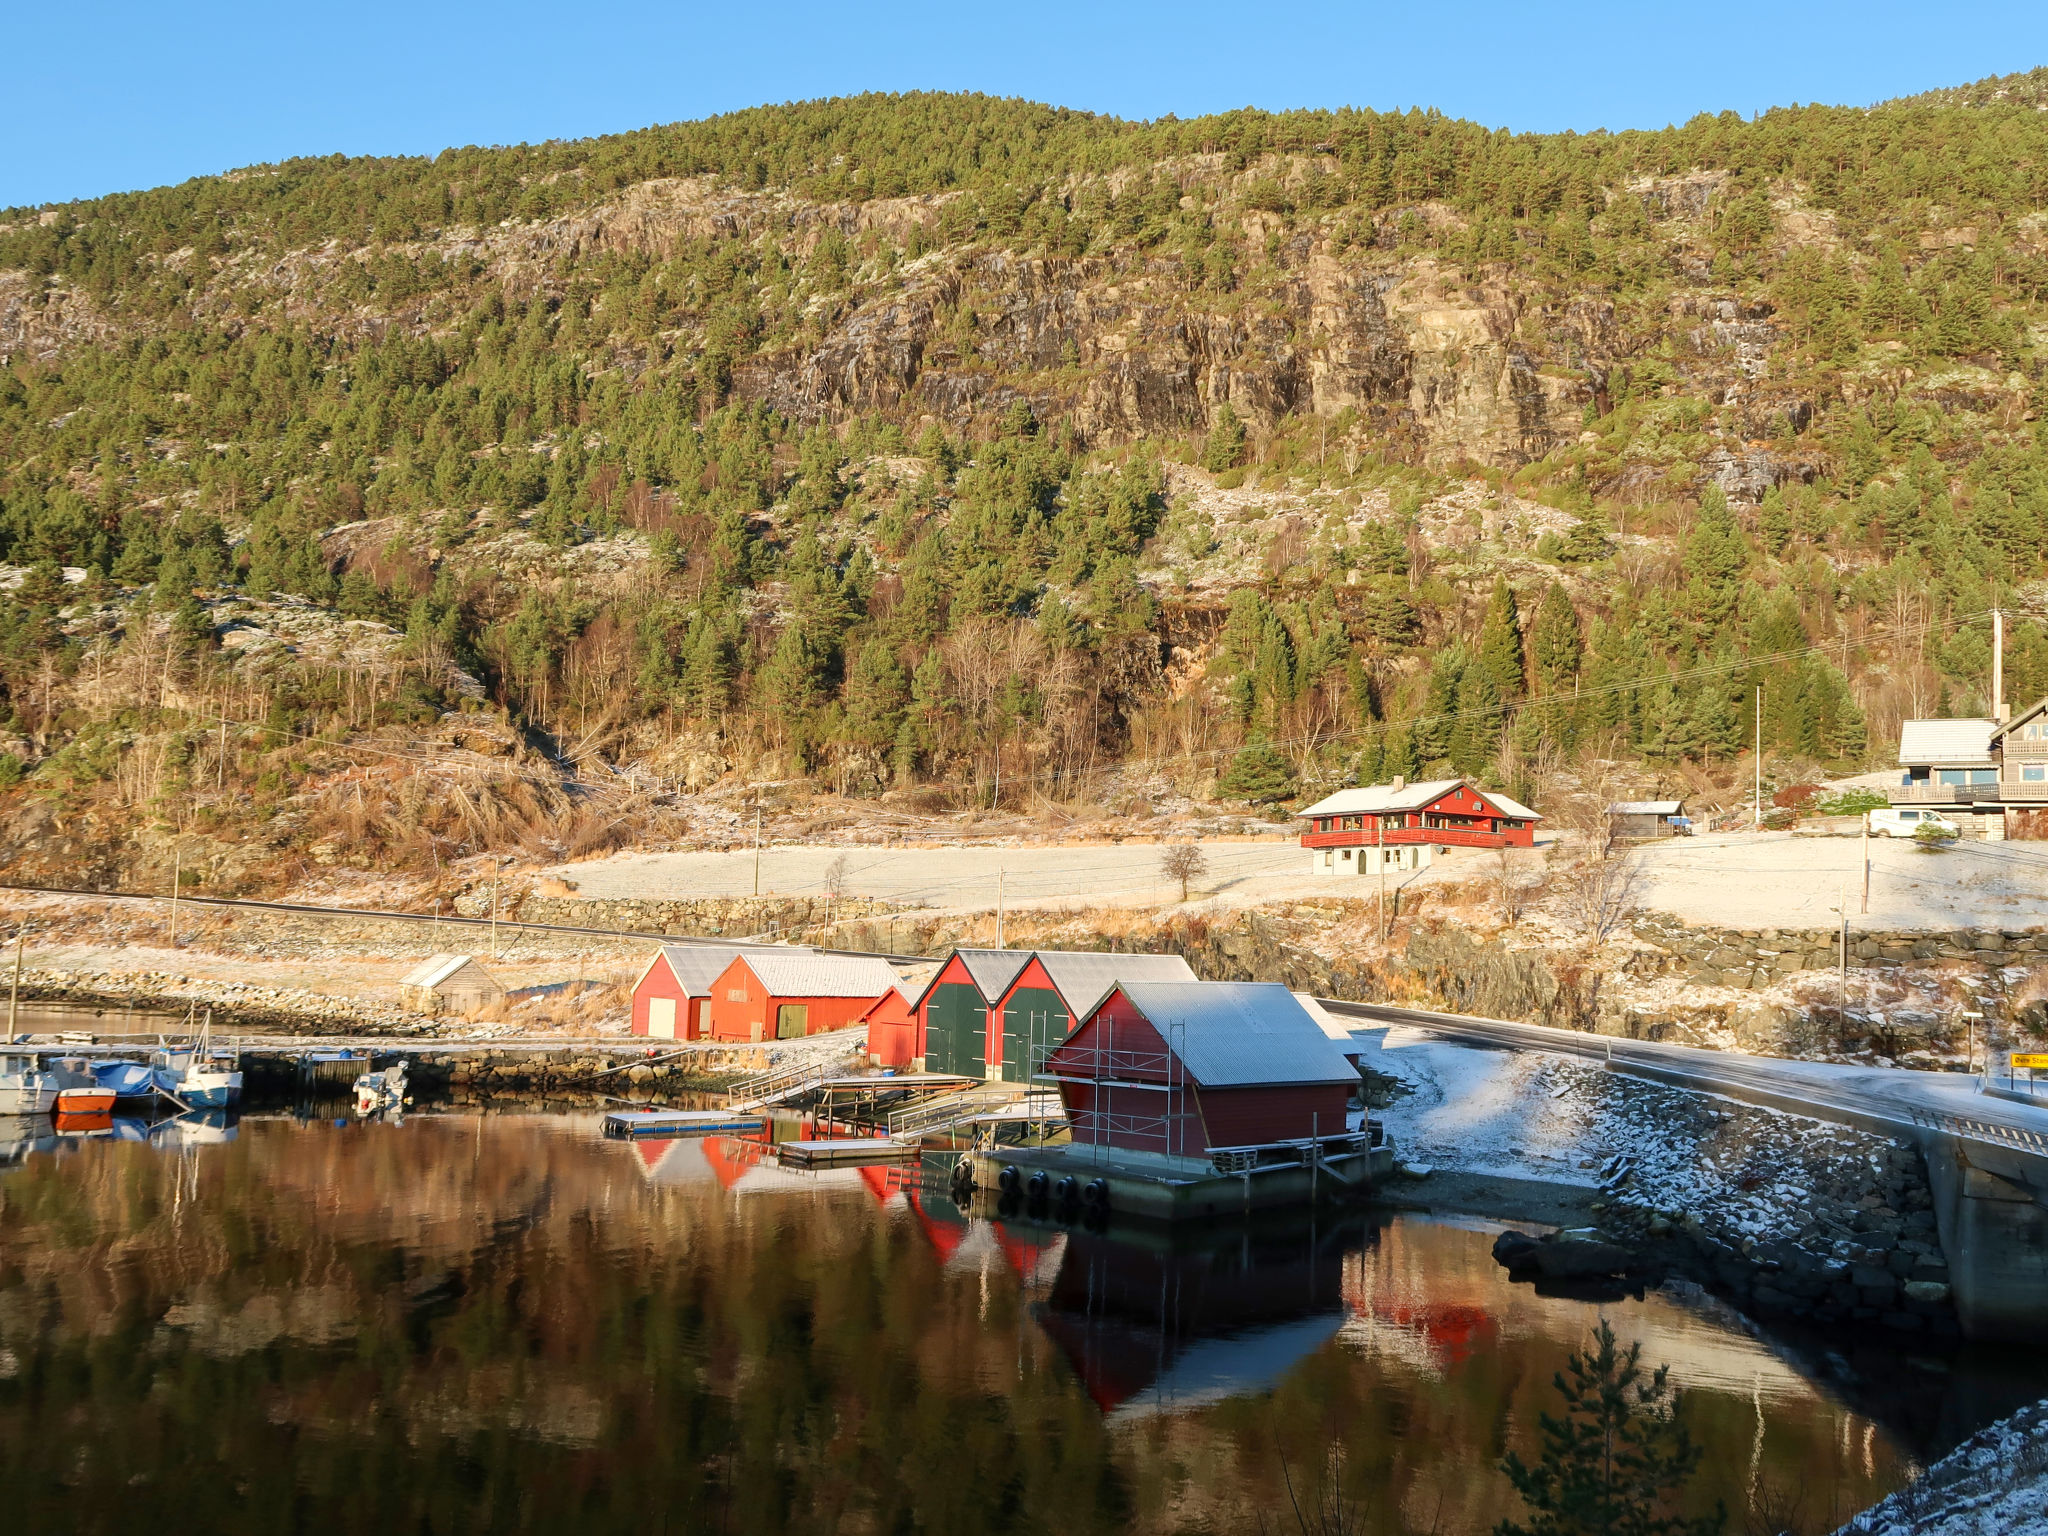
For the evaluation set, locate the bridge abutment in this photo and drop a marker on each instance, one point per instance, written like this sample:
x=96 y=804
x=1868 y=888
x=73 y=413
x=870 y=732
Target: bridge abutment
x=1994 y=1233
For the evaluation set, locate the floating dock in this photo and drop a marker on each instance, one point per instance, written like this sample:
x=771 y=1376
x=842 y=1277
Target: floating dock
x=845 y=1152
x=1165 y=1188
x=680 y=1122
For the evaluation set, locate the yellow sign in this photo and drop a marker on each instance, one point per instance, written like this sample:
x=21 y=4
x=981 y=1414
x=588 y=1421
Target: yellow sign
x=2037 y=1062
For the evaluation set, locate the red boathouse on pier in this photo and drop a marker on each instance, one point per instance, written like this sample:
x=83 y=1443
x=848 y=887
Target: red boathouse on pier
x=1191 y=1068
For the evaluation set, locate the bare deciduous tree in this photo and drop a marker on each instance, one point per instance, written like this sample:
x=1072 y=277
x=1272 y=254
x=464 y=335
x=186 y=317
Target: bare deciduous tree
x=1513 y=887
x=836 y=874
x=1183 y=862
x=1601 y=890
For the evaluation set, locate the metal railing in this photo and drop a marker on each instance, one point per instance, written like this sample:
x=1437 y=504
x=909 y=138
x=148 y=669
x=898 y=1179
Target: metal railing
x=951 y=1109
x=774 y=1086
x=1981 y=1130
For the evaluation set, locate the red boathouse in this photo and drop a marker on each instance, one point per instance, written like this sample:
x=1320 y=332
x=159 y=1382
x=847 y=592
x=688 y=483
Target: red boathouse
x=1399 y=825
x=669 y=997
x=1194 y=1068
x=951 y=1013
x=1056 y=989
x=780 y=995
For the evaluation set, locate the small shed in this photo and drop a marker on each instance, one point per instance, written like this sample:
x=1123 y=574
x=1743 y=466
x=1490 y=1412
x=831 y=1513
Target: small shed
x=781 y=995
x=1055 y=989
x=1648 y=818
x=450 y=984
x=1190 y=1068
x=892 y=1028
x=669 y=997
x=951 y=1013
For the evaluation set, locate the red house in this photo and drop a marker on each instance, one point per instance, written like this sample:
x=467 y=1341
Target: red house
x=1399 y=825
x=1188 y=1068
x=1057 y=988
x=781 y=995
x=669 y=997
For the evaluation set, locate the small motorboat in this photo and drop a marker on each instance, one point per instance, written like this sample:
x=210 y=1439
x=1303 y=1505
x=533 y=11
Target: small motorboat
x=25 y=1088
x=193 y=1074
x=79 y=1089
x=379 y=1091
x=128 y=1079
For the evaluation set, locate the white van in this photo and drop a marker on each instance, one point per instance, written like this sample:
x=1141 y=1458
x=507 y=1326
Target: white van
x=1896 y=822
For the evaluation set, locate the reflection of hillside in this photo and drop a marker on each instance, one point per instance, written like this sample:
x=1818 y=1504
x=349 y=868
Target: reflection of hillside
x=510 y=1314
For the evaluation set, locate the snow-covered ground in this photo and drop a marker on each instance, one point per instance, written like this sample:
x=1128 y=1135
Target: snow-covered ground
x=1994 y=1484
x=1746 y=1174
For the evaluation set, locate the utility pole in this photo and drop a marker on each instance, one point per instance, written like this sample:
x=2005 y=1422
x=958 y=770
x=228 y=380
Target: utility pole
x=14 y=992
x=1866 y=863
x=1998 y=665
x=757 y=849
x=177 y=879
x=1757 y=805
x=1379 y=836
x=999 y=909
x=497 y=874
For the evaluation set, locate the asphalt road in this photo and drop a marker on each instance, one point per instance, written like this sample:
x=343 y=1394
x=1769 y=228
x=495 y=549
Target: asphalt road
x=1892 y=1100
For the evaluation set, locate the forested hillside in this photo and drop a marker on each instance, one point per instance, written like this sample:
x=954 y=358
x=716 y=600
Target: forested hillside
x=966 y=451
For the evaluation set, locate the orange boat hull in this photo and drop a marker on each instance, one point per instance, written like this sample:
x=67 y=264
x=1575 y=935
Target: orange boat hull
x=85 y=1101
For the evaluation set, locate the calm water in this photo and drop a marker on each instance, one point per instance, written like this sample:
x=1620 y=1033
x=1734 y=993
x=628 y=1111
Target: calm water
x=507 y=1323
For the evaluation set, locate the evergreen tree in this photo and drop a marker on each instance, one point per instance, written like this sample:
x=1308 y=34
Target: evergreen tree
x=1556 y=641
x=1224 y=448
x=1258 y=773
x=1500 y=642
x=1714 y=559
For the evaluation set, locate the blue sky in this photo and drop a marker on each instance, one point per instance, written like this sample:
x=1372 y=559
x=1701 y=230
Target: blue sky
x=108 y=95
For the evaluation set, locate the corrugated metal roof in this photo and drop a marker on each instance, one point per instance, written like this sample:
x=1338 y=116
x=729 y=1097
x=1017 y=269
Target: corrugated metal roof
x=1240 y=1034
x=1085 y=977
x=434 y=970
x=1332 y=1027
x=1645 y=808
x=696 y=966
x=809 y=975
x=1927 y=742
x=994 y=969
x=1381 y=797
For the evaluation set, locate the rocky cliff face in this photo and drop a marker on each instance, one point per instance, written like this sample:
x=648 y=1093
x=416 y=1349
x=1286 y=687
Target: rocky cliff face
x=1330 y=319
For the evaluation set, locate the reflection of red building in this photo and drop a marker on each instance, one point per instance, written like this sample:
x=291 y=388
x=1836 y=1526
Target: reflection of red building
x=1150 y=1330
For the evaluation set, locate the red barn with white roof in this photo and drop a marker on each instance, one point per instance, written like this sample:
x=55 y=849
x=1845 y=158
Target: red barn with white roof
x=669 y=997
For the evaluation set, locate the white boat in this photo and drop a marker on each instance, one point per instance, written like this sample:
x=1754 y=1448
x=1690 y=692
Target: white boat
x=194 y=1077
x=379 y=1091
x=193 y=1074
x=25 y=1088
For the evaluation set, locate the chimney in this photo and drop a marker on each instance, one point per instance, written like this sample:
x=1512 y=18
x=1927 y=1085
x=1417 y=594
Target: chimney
x=1400 y=782
x=1998 y=709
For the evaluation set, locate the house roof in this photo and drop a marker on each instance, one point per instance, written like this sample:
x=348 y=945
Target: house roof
x=1085 y=977
x=1240 y=1034
x=1646 y=808
x=787 y=974
x=1930 y=742
x=1381 y=797
x=2030 y=713
x=435 y=969
x=696 y=966
x=1374 y=799
x=994 y=969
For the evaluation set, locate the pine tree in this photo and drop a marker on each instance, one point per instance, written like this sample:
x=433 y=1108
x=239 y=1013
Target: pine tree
x=1432 y=733
x=1714 y=559
x=1587 y=542
x=1616 y=1460
x=1557 y=641
x=1500 y=642
x=1225 y=445
x=1258 y=773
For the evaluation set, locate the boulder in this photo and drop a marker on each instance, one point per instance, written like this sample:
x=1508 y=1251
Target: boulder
x=1562 y=1258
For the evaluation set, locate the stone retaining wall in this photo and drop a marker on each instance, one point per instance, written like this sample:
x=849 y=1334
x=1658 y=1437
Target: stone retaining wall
x=1760 y=957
